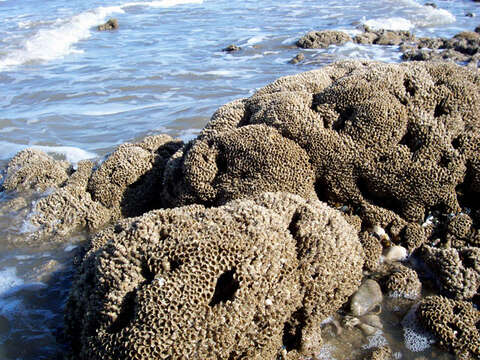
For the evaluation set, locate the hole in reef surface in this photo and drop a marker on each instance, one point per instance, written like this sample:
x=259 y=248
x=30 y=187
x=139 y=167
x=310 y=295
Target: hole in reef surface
x=321 y=189
x=226 y=288
x=444 y=160
x=456 y=331
x=409 y=87
x=456 y=143
x=292 y=330
x=410 y=140
x=456 y=310
x=147 y=273
x=345 y=115
x=127 y=313
x=440 y=109
x=377 y=197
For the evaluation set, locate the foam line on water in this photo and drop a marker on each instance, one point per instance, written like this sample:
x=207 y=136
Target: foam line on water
x=414 y=15
x=58 y=41
x=71 y=153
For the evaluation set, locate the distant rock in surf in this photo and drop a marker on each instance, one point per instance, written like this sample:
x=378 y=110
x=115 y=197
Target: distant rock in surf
x=232 y=48
x=296 y=59
x=111 y=24
x=323 y=39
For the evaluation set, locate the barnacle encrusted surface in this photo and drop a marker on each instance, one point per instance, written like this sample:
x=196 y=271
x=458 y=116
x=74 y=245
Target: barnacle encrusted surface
x=129 y=181
x=243 y=280
x=32 y=169
x=454 y=323
x=403 y=282
x=391 y=142
x=457 y=270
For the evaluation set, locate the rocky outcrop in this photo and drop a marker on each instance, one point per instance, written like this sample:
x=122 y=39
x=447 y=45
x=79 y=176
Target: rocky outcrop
x=111 y=24
x=388 y=143
x=383 y=37
x=246 y=279
x=32 y=169
x=323 y=39
x=127 y=183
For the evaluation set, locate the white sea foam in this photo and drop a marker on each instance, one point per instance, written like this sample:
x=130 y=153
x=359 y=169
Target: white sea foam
x=8 y=280
x=416 y=338
x=60 y=39
x=393 y=23
x=413 y=15
x=71 y=153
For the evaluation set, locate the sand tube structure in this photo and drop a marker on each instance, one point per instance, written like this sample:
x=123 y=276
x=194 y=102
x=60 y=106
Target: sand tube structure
x=223 y=247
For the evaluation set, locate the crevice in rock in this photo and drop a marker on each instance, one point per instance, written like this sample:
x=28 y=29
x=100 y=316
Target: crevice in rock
x=377 y=197
x=409 y=87
x=345 y=115
x=126 y=315
x=226 y=288
x=410 y=140
x=292 y=330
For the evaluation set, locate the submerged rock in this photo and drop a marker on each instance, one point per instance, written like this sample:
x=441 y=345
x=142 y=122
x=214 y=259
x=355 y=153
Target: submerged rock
x=323 y=39
x=232 y=48
x=111 y=24
x=241 y=280
x=368 y=296
x=298 y=58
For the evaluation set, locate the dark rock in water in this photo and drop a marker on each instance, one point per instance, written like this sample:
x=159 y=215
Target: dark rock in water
x=298 y=58
x=431 y=4
x=111 y=24
x=470 y=14
x=323 y=39
x=454 y=323
x=383 y=37
x=232 y=48
x=477 y=29
x=239 y=281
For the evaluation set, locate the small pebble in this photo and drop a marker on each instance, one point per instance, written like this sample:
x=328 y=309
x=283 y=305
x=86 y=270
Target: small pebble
x=395 y=253
x=367 y=329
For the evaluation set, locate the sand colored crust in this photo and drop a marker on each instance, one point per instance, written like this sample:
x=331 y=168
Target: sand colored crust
x=129 y=181
x=454 y=323
x=457 y=270
x=373 y=250
x=32 y=169
x=69 y=208
x=403 y=282
x=323 y=39
x=238 y=281
x=391 y=142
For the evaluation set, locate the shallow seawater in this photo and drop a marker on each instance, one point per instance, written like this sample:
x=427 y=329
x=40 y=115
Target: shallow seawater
x=78 y=93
